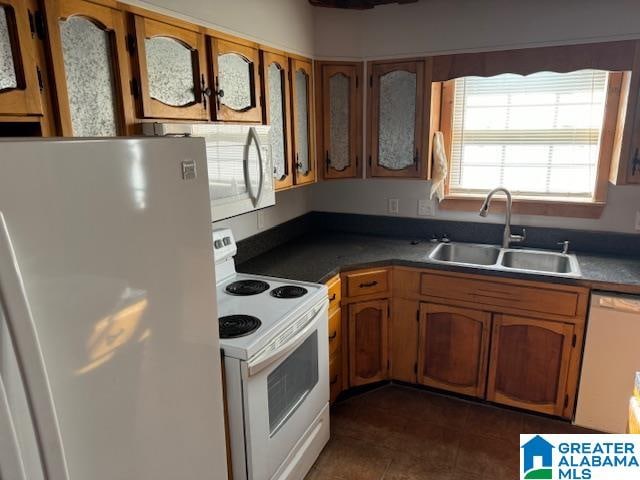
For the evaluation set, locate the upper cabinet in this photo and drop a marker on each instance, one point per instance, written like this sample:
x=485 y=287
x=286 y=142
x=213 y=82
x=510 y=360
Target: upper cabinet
x=302 y=108
x=236 y=81
x=171 y=68
x=90 y=68
x=19 y=86
x=340 y=119
x=277 y=108
x=397 y=120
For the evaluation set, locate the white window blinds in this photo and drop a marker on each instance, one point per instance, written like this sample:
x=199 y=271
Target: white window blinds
x=537 y=135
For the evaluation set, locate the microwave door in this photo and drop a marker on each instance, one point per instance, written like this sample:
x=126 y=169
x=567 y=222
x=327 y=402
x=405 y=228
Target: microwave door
x=253 y=161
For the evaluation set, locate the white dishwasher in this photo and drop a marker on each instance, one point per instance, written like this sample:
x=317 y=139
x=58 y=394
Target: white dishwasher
x=611 y=358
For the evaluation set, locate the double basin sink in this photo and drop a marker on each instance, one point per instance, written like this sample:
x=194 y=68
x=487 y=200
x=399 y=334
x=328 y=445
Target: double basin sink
x=506 y=259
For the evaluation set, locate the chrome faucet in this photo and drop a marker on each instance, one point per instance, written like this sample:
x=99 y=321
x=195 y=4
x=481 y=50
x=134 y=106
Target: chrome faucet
x=507 y=237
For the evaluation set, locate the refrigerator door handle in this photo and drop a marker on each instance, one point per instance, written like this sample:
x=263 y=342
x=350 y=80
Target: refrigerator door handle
x=22 y=333
x=11 y=464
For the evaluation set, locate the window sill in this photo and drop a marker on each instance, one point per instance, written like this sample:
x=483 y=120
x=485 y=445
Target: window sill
x=527 y=206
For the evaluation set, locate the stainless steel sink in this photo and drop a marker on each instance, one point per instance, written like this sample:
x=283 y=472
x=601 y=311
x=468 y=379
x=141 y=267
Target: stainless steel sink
x=466 y=253
x=539 y=261
x=506 y=259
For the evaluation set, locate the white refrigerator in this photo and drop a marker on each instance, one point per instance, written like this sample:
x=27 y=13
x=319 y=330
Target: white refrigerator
x=109 y=354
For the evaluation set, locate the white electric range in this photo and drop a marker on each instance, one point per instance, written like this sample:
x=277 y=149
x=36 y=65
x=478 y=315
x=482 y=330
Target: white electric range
x=273 y=334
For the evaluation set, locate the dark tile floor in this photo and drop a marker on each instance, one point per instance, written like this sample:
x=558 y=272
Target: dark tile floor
x=402 y=433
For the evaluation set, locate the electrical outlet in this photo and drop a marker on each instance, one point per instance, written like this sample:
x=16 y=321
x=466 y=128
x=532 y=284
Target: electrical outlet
x=426 y=208
x=638 y=220
x=394 y=206
x=261 y=219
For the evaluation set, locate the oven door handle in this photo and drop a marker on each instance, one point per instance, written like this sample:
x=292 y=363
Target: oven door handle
x=262 y=361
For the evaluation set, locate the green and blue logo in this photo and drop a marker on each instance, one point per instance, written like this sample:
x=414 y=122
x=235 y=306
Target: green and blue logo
x=537 y=459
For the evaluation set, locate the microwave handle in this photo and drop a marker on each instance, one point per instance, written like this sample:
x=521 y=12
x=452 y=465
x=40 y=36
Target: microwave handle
x=263 y=361
x=252 y=137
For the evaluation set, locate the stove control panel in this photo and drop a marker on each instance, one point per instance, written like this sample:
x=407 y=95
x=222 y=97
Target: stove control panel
x=224 y=245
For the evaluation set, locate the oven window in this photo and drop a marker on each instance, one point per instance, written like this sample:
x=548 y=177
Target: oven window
x=289 y=384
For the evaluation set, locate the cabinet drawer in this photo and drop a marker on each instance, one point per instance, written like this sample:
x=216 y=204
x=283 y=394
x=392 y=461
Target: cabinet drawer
x=495 y=294
x=335 y=332
x=366 y=283
x=335 y=293
x=335 y=376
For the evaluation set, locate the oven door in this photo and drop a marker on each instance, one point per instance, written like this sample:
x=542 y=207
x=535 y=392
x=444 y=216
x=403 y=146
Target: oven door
x=285 y=392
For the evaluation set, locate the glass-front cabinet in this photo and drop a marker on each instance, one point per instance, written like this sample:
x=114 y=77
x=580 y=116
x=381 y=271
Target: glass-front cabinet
x=19 y=87
x=338 y=132
x=276 y=113
x=171 y=71
x=90 y=68
x=236 y=81
x=302 y=109
x=396 y=120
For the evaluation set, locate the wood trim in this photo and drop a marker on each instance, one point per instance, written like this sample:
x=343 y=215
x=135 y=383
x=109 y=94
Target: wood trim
x=404 y=340
x=253 y=114
x=282 y=62
x=523 y=206
x=153 y=15
x=152 y=108
x=25 y=99
x=306 y=66
x=110 y=20
x=353 y=72
x=612 y=56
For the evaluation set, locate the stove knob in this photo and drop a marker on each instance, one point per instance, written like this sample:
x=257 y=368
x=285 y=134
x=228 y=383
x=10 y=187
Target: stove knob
x=217 y=244
x=226 y=240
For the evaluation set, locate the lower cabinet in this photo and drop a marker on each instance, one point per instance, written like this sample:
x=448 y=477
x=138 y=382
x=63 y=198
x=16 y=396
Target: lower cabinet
x=368 y=342
x=453 y=348
x=530 y=363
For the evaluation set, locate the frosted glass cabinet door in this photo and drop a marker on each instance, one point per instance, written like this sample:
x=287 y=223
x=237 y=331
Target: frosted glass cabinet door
x=396 y=123
x=304 y=162
x=90 y=68
x=171 y=64
x=276 y=73
x=341 y=109
x=237 y=89
x=19 y=90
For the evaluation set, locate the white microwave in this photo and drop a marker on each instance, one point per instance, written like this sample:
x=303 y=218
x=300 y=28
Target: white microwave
x=239 y=164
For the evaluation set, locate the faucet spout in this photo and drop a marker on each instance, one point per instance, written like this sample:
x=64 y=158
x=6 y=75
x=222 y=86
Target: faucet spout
x=507 y=237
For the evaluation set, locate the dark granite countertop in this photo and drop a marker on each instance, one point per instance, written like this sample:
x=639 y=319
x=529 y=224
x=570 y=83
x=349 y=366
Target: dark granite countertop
x=317 y=257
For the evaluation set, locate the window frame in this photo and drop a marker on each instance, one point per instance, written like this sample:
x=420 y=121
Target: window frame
x=613 y=122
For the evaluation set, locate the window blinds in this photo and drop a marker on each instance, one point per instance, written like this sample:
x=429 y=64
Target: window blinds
x=537 y=135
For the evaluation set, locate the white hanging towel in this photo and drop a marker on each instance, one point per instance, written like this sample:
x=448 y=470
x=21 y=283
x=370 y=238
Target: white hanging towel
x=440 y=167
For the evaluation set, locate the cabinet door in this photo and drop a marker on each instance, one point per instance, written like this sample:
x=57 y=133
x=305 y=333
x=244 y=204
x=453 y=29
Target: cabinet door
x=403 y=339
x=171 y=67
x=529 y=363
x=301 y=83
x=396 y=120
x=453 y=348
x=341 y=120
x=277 y=108
x=19 y=89
x=237 y=85
x=368 y=336
x=90 y=68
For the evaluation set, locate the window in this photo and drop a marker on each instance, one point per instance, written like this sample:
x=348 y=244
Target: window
x=538 y=135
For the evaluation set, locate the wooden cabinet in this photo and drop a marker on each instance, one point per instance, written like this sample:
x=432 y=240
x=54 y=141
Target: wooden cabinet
x=403 y=339
x=530 y=361
x=367 y=283
x=302 y=115
x=339 y=124
x=453 y=348
x=398 y=129
x=90 y=68
x=19 y=85
x=368 y=342
x=336 y=340
x=236 y=81
x=171 y=71
x=277 y=114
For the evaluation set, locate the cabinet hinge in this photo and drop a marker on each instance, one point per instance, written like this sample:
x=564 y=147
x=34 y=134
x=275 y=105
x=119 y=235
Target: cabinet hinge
x=418 y=315
x=370 y=81
x=130 y=40
x=135 y=87
x=415 y=368
x=40 y=79
x=566 y=401
x=574 y=340
x=36 y=24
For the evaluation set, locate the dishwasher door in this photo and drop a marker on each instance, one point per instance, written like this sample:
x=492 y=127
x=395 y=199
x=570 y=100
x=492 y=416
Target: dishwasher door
x=611 y=358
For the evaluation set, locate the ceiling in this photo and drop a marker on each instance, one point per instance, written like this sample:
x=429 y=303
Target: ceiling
x=355 y=4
